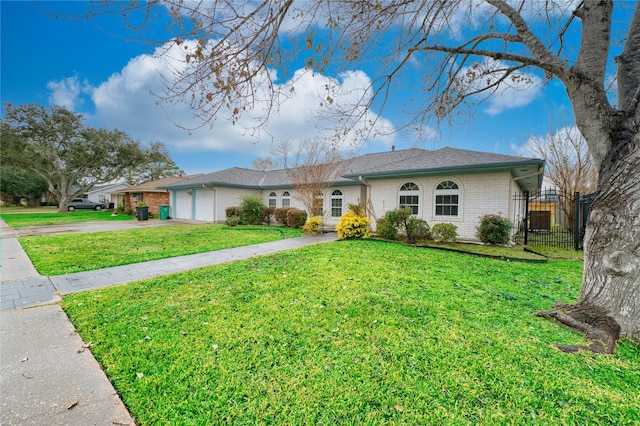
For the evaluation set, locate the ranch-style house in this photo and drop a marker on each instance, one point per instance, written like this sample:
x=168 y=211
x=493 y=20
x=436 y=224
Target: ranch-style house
x=447 y=185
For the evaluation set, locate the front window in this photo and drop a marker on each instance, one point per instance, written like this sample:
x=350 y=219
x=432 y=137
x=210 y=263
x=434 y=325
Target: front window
x=286 y=199
x=447 y=198
x=336 y=203
x=272 y=200
x=409 y=197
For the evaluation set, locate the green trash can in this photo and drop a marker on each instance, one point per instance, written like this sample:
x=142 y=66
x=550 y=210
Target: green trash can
x=142 y=212
x=164 y=212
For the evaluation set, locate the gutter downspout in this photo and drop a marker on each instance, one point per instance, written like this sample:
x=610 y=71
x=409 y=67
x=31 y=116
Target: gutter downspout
x=365 y=192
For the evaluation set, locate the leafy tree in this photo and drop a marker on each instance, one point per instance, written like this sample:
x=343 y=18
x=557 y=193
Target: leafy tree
x=159 y=165
x=18 y=183
x=465 y=51
x=68 y=155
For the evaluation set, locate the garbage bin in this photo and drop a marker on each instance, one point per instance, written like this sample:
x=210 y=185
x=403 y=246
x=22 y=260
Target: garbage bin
x=142 y=212
x=164 y=212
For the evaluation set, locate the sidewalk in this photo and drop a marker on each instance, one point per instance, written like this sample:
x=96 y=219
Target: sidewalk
x=46 y=375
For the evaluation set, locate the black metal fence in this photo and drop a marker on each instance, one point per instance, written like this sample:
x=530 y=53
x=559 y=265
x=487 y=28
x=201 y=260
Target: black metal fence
x=551 y=218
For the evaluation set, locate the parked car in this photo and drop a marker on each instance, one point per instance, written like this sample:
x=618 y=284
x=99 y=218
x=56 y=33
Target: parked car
x=84 y=203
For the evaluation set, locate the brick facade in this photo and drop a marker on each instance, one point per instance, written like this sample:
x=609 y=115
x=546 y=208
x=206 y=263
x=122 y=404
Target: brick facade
x=153 y=199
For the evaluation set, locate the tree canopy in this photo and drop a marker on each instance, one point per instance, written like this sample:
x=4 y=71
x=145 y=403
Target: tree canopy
x=70 y=156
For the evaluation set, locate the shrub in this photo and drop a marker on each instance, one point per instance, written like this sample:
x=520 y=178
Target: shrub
x=233 y=221
x=358 y=209
x=296 y=218
x=313 y=225
x=401 y=220
x=267 y=215
x=385 y=229
x=251 y=209
x=232 y=211
x=280 y=215
x=494 y=230
x=353 y=225
x=444 y=232
x=417 y=229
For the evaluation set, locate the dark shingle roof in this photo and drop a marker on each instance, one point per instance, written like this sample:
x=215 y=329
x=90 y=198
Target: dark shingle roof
x=408 y=162
x=159 y=184
x=417 y=161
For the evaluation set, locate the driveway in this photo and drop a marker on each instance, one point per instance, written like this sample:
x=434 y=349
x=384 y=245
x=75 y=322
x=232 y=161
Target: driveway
x=100 y=226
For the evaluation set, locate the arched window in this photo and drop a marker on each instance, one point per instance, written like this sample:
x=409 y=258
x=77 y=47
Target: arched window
x=286 y=199
x=409 y=197
x=336 y=203
x=447 y=198
x=273 y=200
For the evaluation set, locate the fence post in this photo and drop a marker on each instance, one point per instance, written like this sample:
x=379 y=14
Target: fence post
x=576 y=222
x=526 y=218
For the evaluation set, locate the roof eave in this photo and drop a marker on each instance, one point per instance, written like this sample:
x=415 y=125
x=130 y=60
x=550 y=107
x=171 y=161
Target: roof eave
x=439 y=171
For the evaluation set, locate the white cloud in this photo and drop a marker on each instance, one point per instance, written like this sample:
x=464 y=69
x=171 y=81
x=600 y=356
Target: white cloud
x=67 y=92
x=126 y=101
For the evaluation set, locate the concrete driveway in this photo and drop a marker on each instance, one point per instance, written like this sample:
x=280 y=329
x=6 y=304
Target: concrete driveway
x=100 y=226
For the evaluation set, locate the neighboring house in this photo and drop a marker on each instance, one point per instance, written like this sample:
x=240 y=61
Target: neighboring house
x=103 y=193
x=442 y=186
x=153 y=193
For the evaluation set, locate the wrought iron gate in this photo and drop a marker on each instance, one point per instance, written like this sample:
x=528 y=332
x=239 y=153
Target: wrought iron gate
x=551 y=218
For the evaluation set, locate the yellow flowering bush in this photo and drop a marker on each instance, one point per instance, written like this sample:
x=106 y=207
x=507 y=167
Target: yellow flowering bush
x=313 y=225
x=353 y=225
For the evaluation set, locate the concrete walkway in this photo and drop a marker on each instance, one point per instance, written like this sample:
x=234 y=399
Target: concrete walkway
x=47 y=376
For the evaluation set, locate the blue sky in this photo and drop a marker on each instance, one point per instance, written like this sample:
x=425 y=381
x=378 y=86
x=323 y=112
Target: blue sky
x=93 y=68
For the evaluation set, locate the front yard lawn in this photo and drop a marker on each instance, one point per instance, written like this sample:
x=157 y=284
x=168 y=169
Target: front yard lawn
x=355 y=332
x=23 y=220
x=67 y=253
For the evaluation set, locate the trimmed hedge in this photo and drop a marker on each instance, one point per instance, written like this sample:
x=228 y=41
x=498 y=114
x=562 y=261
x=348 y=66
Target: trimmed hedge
x=296 y=218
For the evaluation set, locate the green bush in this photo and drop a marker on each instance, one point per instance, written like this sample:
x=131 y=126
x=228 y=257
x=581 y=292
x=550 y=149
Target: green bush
x=280 y=215
x=232 y=211
x=444 y=232
x=313 y=225
x=233 y=221
x=251 y=209
x=417 y=230
x=358 y=209
x=385 y=229
x=401 y=220
x=296 y=218
x=494 y=230
x=353 y=224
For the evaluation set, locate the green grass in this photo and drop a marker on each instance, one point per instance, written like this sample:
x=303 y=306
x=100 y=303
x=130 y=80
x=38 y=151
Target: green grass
x=48 y=217
x=67 y=253
x=511 y=253
x=355 y=332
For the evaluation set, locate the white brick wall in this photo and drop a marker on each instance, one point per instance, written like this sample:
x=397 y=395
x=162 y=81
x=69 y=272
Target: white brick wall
x=479 y=194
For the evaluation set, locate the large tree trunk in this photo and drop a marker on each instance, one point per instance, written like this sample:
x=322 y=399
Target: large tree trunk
x=611 y=278
x=609 y=302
